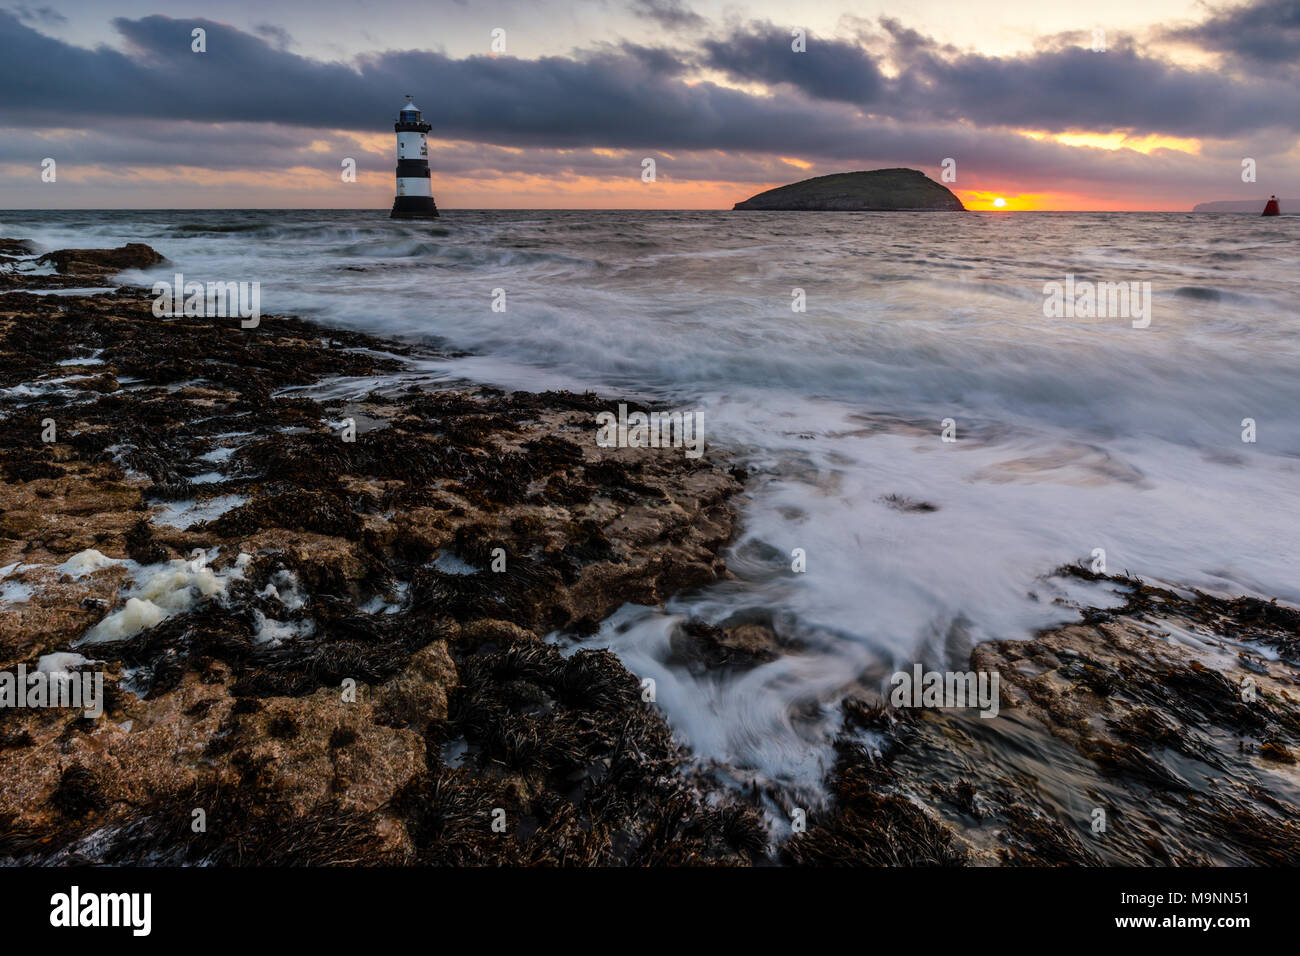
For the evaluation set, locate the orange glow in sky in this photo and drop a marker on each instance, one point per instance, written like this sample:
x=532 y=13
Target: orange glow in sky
x=1116 y=140
x=981 y=200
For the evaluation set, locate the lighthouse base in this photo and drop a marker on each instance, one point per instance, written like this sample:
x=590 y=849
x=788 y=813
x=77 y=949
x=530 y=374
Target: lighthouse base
x=414 y=207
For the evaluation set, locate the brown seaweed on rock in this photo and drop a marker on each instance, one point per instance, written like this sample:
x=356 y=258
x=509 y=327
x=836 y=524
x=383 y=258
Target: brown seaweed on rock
x=305 y=706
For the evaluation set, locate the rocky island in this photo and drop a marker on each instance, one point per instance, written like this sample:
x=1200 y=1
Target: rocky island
x=877 y=190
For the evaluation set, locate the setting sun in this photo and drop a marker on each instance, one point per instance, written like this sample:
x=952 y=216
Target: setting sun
x=984 y=200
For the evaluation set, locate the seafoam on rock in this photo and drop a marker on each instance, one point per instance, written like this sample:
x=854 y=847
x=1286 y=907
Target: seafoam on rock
x=161 y=590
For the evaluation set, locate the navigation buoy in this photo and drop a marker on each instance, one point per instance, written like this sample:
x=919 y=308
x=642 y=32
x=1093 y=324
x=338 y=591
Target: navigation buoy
x=1271 y=208
x=414 y=195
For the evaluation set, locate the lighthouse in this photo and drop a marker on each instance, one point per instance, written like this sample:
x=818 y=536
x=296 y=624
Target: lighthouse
x=414 y=196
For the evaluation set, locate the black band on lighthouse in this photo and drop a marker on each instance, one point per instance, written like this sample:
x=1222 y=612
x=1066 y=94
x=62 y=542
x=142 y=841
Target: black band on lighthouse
x=414 y=207
x=412 y=167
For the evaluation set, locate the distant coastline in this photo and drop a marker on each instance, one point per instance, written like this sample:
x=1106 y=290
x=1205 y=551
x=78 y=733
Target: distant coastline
x=1255 y=206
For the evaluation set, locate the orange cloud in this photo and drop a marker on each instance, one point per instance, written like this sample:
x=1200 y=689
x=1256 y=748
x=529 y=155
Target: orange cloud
x=1117 y=140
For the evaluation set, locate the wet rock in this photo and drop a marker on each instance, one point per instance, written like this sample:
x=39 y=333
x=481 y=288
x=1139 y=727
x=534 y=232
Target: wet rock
x=909 y=505
x=1117 y=743
x=133 y=255
x=702 y=647
x=17 y=247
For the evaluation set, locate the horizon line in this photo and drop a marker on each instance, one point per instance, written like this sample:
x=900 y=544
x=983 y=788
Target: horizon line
x=378 y=209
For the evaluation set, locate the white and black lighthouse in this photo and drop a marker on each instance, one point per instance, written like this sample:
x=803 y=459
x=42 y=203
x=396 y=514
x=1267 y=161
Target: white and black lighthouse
x=414 y=195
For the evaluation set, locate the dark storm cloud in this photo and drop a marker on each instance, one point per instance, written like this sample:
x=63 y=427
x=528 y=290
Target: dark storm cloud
x=660 y=60
x=828 y=69
x=613 y=97
x=628 y=96
x=1266 y=33
x=1075 y=88
x=1063 y=87
x=160 y=144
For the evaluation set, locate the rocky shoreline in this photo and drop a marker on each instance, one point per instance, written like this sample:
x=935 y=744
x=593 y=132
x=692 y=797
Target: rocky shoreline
x=286 y=561
x=1161 y=732
x=320 y=623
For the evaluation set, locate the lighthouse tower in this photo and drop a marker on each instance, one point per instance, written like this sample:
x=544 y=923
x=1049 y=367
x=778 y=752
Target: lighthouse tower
x=414 y=196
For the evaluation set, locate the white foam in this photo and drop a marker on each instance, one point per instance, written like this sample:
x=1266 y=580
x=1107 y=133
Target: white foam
x=162 y=590
x=284 y=587
x=448 y=563
x=379 y=604
x=87 y=290
x=182 y=514
x=269 y=631
x=137 y=615
x=60 y=662
x=15 y=592
x=88 y=562
x=28 y=266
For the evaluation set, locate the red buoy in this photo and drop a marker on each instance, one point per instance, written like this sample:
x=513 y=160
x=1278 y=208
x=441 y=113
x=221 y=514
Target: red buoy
x=1271 y=208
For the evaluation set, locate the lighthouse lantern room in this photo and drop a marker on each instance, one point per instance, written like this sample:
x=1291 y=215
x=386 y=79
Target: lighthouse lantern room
x=414 y=195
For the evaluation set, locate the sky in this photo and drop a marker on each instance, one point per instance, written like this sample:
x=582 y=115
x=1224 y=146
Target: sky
x=1094 y=105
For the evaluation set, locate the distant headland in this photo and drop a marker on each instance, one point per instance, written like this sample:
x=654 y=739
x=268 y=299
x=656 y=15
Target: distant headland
x=1243 y=205
x=877 y=190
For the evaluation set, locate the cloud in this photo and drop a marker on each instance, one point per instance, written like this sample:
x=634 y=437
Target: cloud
x=631 y=95
x=668 y=13
x=828 y=70
x=278 y=35
x=1266 y=33
x=1061 y=86
x=1075 y=88
x=890 y=96
x=44 y=16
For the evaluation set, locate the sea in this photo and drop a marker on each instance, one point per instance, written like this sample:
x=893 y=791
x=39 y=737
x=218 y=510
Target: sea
x=927 y=437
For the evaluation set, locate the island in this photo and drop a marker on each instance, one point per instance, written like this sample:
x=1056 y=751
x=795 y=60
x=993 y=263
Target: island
x=876 y=190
